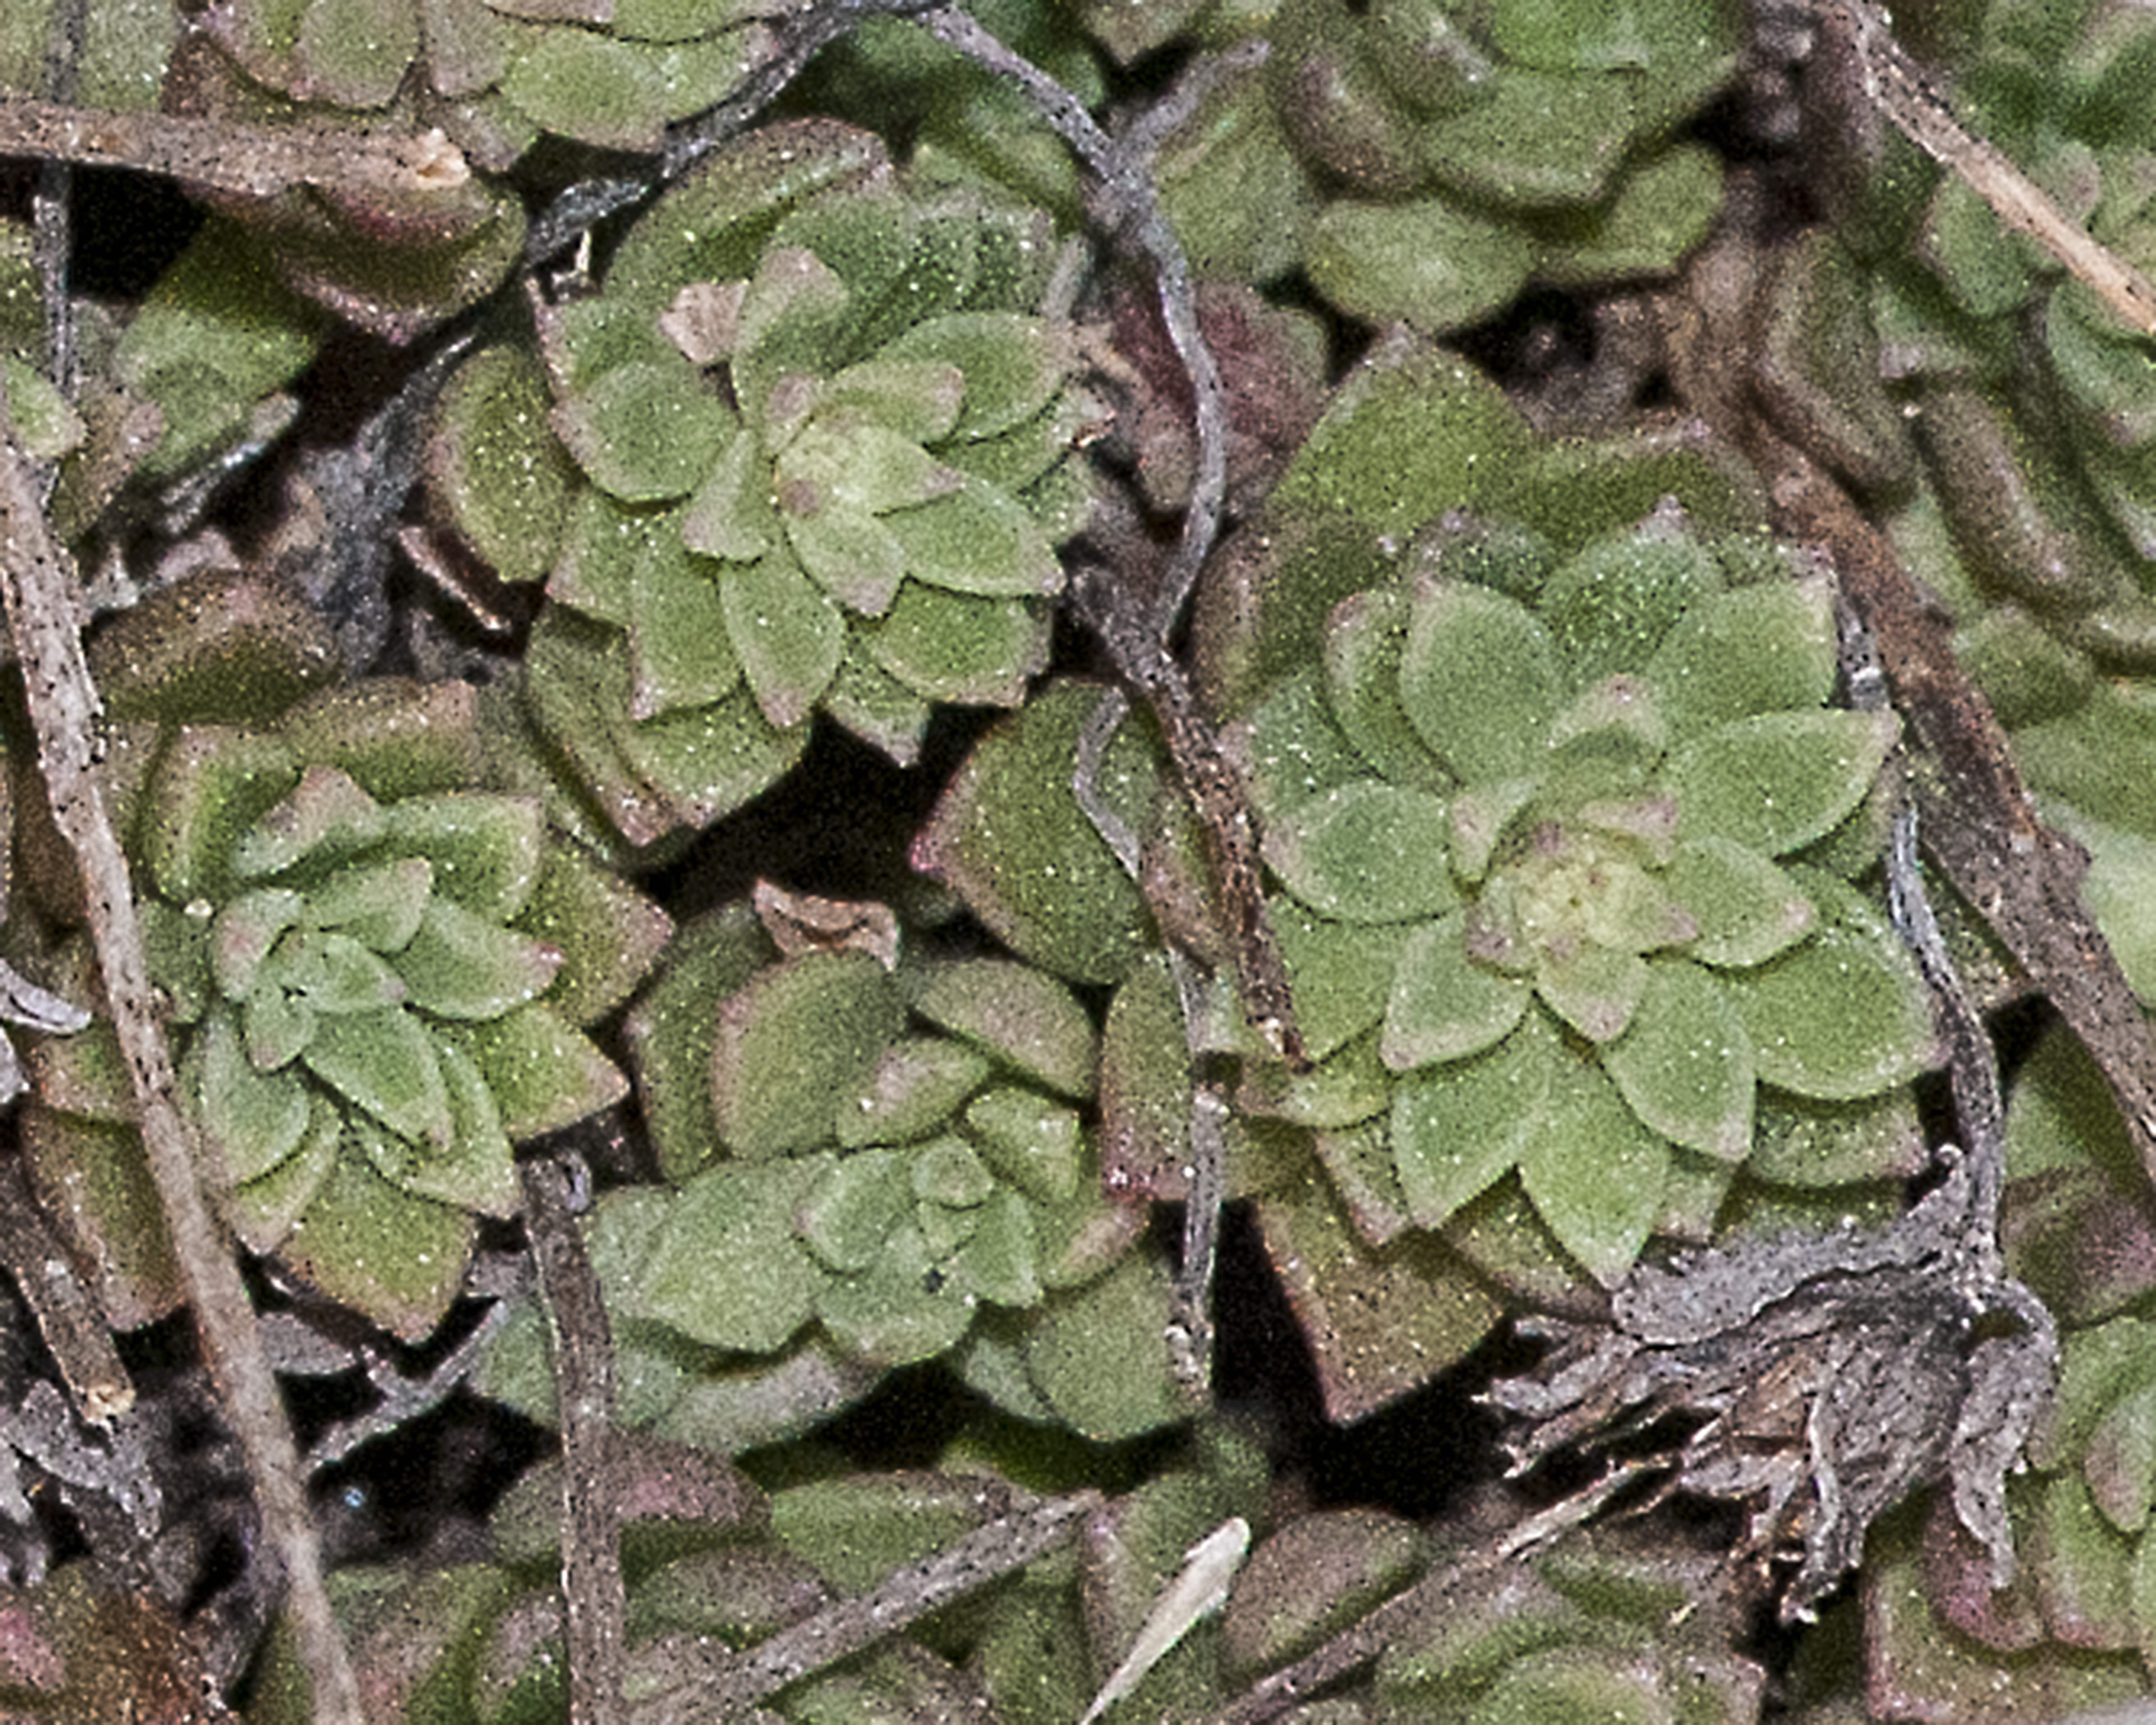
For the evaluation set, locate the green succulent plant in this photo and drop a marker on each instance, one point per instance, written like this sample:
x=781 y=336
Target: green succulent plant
x=896 y=1158
x=379 y=972
x=1425 y=160
x=610 y=75
x=821 y=430
x=1536 y=892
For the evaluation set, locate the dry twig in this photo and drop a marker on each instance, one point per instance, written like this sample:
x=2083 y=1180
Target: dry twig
x=705 y=1686
x=256 y=161
x=581 y=1340
x=40 y=580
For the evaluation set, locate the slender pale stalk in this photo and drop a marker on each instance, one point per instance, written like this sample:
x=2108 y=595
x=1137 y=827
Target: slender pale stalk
x=40 y=580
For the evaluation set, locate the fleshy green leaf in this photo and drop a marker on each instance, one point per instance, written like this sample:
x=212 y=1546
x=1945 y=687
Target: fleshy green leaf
x=1594 y=1172
x=1365 y=852
x=1009 y=837
x=977 y=540
x=648 y=430
x=915 y=1087
x=245 y=932
x=502 y=476
x=1481 y=814
x=1290 y=750
x=917 y=398
x=2120 y=1462
x=788 y=635
x=397 y=1258
x=486 y=852
x=836 y=461
x=1593 y=988
x=1611 y=606
x=386 y=1063
x=1443 y=1005
x=1029 y=1141
x=213 y=784
x=724 y=1268
x=849 y=1212
x=1341 y=972
x=905 y=1306
x=1538 y=137
x=326 y=817
x=1684 y=1064
x=856 y=557
x=379 y=906
x=1098 y=1359
x=1777 y=781
x=946 y=1172
x=1011 y=365
x=278 y=1027
x=678 y=646
x=333 y=971
x=1363 y=640
x=795 y=1045
x=1745 y=909
x=461 y=966
x=1432 y=262
x=732 y=515
x=1758 y=650
x=544 y=1073
x=1843 y=1014
x=478 y=1171
x=256 y=1119
x=263 y=1211
x=1022 y=1016
x=1456 y=1129
x=958 y=647
x=1479 y=680
x=997 y=1262
x=592 y=88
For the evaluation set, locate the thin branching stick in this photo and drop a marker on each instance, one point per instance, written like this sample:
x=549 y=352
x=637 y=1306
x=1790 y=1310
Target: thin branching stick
x=1896 y=86
x=718 y=1684
x=38 y=581
x=595 y=1611
x=259 y=161
x=1135 y=204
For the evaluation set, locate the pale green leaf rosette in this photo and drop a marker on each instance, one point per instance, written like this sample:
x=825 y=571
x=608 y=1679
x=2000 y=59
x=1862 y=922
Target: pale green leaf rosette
x=379 y=973
x=1541 y=878
x=1423 y=161
x=879 y=1160
x=819 y=434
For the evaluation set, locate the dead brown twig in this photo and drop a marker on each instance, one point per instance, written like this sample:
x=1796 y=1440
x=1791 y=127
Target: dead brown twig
x=40 y=580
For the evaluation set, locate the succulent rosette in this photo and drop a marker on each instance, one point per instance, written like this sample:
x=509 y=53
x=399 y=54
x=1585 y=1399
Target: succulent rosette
x=1539 y=839
x=378 y=974
x=607 y=73
x=820 y=429
x=878 y=1160
x=1423 y=161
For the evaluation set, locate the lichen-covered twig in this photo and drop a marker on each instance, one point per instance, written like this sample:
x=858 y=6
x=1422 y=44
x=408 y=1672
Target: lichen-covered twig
x=1134 y=206
x=257 y=161
x=403 y=1398
x=74 y=1329
x=1362 y=1641
x=705 y=1685
x=38 y=582
x=1894 y=84
x=581 y=1341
